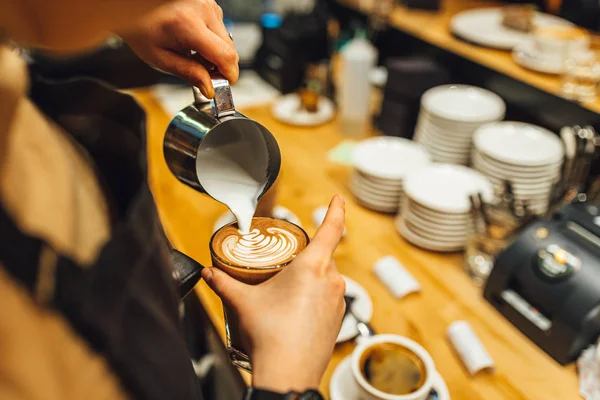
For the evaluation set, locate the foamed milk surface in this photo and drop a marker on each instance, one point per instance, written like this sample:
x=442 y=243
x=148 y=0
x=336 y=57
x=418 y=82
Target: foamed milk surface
x=256 y=249
x=229 y=183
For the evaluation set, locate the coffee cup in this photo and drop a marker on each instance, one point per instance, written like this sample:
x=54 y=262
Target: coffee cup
x=392 y=367
x=558 y=43
x=252 y=258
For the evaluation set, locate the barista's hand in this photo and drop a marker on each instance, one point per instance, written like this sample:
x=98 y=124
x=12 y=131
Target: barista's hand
x=165 y=37
x=291 y=321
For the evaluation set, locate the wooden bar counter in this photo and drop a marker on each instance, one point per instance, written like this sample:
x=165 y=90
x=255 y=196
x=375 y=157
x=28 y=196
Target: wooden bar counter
x=309 y=180
x=434 y=28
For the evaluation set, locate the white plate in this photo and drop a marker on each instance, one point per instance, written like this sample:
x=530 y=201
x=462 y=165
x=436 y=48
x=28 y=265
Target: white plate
x=460 y=129
x=518 y=167
x=446 y=188
x=417 y=240
x=518 y=143
x=463 y=103
x=377 y=207
x=520 y=183
x=362 y=307
x=389 y=157
x=436 y=216
x=449 y=159
x=484 y=27
x=441 y=237
x=437 y=153
x=279 y=212
x=445 y=143
x=514 y=178
x=359 y=189
x=393 y=186
x=432 y=225
x=379 y=182
x=528 y=57
x=287 y=109
x=368 y=195
x=459 y=137
x=343 y=386
x=495 y=168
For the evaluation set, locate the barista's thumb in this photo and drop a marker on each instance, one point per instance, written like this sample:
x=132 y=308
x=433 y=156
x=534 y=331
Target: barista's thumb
x=227 y=288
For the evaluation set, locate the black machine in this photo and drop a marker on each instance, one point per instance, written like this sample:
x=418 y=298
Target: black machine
x=547 y=283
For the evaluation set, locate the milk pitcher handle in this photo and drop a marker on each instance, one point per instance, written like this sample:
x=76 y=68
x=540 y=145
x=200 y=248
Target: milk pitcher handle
x=223 y=101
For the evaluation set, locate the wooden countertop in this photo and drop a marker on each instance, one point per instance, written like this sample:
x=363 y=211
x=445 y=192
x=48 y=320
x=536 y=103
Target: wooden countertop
x=433 y=28
x=309 y=180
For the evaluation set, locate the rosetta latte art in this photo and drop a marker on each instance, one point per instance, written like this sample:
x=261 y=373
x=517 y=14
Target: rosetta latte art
x=273 y=247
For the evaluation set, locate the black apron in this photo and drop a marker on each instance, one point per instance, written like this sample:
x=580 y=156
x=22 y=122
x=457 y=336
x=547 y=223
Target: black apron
x=126 y=304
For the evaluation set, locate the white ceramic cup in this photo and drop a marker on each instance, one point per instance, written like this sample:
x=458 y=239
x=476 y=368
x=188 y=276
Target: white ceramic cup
x=561 y=43
x=368 y=392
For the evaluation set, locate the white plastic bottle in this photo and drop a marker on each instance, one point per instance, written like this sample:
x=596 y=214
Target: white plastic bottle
x=358 y=57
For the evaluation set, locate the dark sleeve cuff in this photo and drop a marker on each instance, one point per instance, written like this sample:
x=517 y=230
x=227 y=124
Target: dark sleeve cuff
x=261 y=394
x=186 y=272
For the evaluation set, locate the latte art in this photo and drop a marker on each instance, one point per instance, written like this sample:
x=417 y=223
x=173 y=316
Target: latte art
x=272 y=246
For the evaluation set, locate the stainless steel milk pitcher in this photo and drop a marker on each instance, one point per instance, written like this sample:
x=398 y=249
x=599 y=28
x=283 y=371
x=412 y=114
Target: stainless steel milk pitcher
x=205 y=124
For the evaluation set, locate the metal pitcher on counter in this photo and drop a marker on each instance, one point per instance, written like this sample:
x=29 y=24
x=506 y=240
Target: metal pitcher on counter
x=206 y=125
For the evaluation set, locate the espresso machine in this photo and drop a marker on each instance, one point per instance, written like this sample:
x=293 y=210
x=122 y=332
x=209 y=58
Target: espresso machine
x=547 y=283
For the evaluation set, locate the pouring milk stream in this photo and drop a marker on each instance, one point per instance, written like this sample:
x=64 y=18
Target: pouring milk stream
x=226 y=178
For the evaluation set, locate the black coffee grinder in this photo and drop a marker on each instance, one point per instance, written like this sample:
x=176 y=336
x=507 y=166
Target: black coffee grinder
x=547 y=283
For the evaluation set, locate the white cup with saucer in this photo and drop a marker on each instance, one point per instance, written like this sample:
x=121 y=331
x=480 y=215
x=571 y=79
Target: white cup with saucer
x=558 y=43
x=349 y=382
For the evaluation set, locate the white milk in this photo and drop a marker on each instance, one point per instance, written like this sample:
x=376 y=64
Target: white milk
x=234 y=175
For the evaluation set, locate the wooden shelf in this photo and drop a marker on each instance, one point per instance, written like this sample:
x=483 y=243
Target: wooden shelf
x=433 y=28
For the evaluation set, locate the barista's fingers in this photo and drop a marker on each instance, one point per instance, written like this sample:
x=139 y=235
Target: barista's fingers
x=330 y=232
x=188 y=69
x=230 y=290
x=221 y=52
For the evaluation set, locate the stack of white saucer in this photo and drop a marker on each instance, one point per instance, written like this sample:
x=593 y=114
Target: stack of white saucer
x=380 y=165
x=528 y=156
x=436 y=214
x=449 y=115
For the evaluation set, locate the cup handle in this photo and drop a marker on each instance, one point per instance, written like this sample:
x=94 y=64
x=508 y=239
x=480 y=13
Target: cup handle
x=439 y=385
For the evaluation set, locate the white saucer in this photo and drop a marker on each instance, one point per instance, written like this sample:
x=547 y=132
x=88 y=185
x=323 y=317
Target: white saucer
x=518 y=143
x=287 y=109
x=343 y=386
x=433 y=225
x=528 y=57
x=446 y=188
x=375 y=198
x=432 y=245
x=362 y=307
x=279 y=212
x=389 y=157
x=377 y=207
x=376 y=183
x=522 y=172
x=463 y=103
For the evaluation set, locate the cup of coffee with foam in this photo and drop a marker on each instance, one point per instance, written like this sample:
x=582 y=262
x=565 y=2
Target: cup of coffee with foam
x=253 y=258
x=392 y=367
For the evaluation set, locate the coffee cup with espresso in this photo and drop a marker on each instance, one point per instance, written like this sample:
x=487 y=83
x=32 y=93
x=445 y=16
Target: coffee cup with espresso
x=392 y=367
x=252 y=258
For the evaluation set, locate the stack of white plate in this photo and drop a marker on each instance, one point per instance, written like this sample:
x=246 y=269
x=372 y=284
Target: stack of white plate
x=436 y=214
x=528 y=156
x=379 y=168
x=449 y=115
